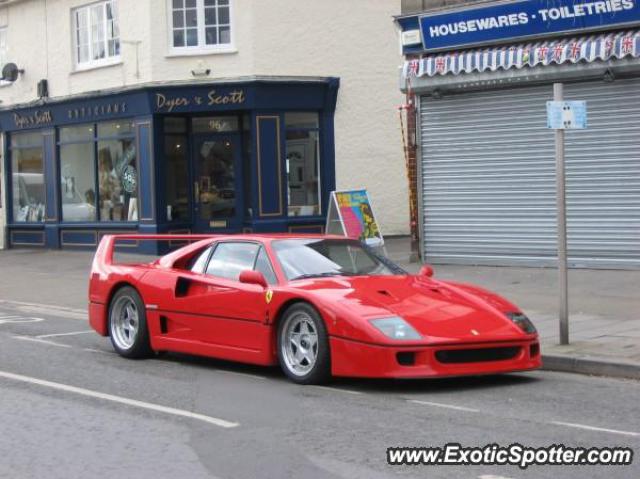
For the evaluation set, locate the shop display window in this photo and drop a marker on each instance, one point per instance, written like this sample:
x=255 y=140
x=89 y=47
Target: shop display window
x=27 y=172
x=99 y=172
x=77 y=182
x=118 y=179
x=176 y=170
x=77 y=174
x=303 y=163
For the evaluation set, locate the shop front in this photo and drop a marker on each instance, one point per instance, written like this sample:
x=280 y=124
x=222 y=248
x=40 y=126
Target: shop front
x=480 y=78
x=251 y=155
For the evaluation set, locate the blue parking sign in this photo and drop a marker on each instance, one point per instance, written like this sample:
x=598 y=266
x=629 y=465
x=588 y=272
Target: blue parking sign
x=566 y=115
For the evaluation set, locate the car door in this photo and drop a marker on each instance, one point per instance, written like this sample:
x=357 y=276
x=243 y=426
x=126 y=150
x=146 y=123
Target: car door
x=218 y=308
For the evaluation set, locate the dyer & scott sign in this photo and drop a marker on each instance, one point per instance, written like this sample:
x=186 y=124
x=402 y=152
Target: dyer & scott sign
x=166 y=102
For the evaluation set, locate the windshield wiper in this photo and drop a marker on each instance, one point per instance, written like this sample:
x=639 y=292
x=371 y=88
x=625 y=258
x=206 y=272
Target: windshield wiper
x=323 y=275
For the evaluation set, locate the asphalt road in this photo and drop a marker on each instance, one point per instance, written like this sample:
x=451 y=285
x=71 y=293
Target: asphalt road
x=70 y=407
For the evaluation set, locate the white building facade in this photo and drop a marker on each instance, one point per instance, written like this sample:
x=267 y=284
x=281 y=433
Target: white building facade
x=195 y=116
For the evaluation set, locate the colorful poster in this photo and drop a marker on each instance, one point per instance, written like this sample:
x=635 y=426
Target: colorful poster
x=356 y=215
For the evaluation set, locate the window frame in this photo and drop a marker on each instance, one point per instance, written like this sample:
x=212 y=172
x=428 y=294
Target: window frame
x=95 y=140
x=261 y=247
x=273 y=270
x=232 y=242
x=10 y=182
x=91 y=62
x=201 y=48
x=186 y=135
x=204 y=253
x=318 y=164
x=59 y=145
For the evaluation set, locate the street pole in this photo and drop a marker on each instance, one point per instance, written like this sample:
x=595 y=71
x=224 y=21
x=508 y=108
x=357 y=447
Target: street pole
x=561 y=213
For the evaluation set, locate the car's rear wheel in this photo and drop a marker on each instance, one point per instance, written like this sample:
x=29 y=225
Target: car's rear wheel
x=128 y=324
x=303 y=345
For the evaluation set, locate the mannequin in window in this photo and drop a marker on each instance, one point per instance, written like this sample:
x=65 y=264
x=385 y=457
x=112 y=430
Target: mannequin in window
x=109 y=185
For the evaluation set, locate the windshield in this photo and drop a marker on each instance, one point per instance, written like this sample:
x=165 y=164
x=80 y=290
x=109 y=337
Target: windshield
x=313 y=257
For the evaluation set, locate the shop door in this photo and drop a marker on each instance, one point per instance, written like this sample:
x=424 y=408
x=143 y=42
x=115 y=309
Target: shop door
x=217 y=187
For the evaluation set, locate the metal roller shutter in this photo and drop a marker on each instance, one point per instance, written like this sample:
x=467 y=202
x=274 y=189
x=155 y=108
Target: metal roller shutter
x=488 y=171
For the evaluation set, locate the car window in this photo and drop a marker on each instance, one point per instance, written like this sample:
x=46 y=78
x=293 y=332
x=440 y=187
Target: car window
x=199 y=262
x=310 y=257
x=264 y=266
x=230 y=259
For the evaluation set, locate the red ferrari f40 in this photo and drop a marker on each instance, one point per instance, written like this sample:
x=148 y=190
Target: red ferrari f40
x=319 y=306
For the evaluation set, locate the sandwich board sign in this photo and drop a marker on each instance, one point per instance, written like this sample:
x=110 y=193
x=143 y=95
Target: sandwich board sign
x=350 y=214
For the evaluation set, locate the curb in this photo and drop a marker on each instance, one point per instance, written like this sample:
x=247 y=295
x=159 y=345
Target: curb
x=594 y=366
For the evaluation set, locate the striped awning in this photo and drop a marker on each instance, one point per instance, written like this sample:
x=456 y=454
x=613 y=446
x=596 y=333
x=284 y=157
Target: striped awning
x=584 y=49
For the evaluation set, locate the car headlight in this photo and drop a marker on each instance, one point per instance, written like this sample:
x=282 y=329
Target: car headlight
x=395 y=328
x=522 y=322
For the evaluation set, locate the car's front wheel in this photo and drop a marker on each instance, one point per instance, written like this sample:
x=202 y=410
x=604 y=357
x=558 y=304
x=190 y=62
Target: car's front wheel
x=128 y=324
x=303 y=345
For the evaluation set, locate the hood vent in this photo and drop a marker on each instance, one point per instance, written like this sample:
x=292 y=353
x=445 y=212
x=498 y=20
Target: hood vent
x=386 y=293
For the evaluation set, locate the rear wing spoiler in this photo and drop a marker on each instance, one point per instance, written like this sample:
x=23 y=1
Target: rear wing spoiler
x=104 y=253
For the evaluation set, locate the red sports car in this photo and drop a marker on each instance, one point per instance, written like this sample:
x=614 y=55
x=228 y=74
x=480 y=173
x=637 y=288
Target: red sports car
x=319 y=306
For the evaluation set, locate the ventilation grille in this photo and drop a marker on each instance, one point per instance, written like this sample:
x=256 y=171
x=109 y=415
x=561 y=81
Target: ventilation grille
x=450 y=356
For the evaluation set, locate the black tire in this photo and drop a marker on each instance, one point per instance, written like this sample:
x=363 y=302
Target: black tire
x=135 y=344
x=317 y=372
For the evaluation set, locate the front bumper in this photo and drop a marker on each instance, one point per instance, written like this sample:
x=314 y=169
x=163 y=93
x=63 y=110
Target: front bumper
x=357 y=359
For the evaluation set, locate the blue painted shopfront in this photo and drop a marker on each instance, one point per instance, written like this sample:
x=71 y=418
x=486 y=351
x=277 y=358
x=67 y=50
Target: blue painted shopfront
x=232 y=156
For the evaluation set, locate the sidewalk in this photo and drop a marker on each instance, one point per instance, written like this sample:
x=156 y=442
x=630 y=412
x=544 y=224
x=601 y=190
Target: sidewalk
x=604 y=323
x=604 y=310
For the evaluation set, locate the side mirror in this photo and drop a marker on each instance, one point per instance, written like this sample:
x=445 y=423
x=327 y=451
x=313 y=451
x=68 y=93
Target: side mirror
x=426 y=270
x=253 y=277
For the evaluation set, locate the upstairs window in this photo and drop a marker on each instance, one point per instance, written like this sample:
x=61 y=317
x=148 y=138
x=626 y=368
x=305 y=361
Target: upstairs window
x=200 y=24
x=96 y=34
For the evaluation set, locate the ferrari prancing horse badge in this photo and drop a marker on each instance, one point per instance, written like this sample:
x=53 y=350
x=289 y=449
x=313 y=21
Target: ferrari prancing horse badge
x=268 y=296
